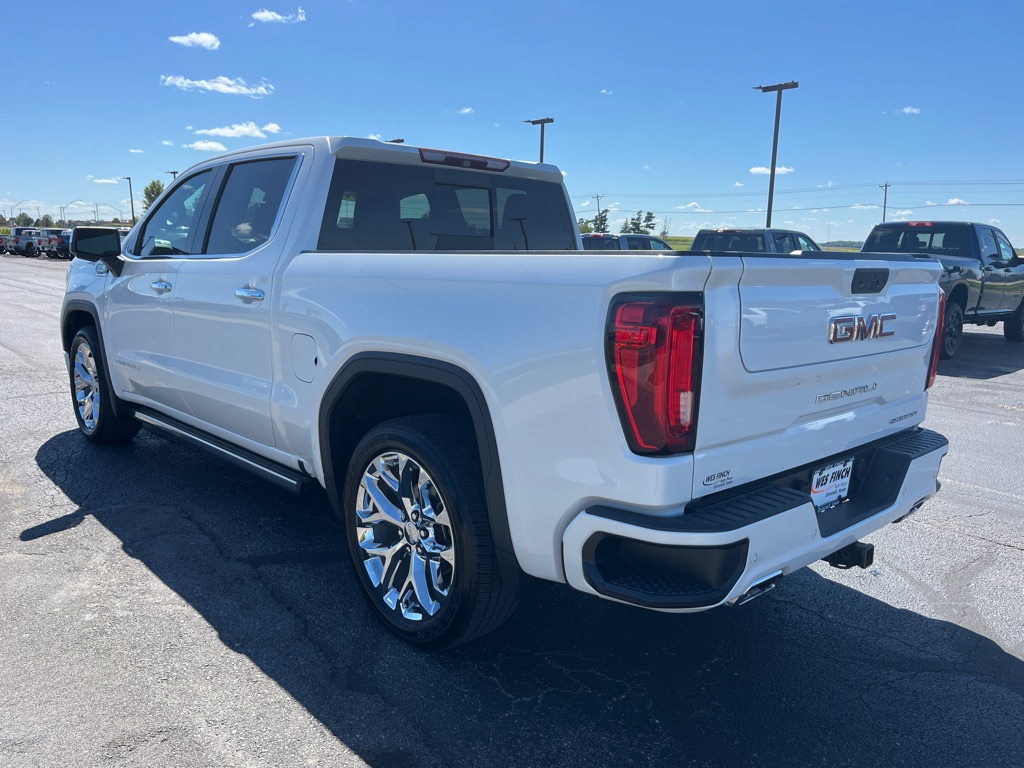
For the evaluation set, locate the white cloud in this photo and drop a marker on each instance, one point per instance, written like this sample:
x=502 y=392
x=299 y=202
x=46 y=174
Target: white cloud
x=605 y=91
x=167 y=143
x=206 y=146
x=376 y=136
x=738 y=184
x=995 y=221
x=197 y=40
x=233 y=131
x=111 y=180
x=272 y=128
x=956 y=201
x=910 y=111
x=902 y=213
x=647 y=167
x=273 y=17
x=220 y=84
x=693 y=208
x=584 y=204
x=466 y=111
x=136 y=151
x=780 y=170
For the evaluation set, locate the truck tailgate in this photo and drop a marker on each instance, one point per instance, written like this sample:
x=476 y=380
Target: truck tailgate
x=810 y=357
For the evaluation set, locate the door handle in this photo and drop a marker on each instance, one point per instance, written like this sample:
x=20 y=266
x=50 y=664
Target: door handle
x=250 y=294
x=160 y=286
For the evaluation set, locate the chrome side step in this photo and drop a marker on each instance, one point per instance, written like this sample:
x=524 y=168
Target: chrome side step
x=281 y=476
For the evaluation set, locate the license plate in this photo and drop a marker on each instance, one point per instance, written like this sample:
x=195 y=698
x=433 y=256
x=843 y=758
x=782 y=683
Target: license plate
x=831 y=484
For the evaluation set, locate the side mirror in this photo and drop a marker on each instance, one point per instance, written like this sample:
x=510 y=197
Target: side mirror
x=98 y=244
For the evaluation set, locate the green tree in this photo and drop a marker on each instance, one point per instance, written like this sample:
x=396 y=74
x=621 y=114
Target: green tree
x=23 y=220
x=47 y=221
x=600 y=222
x=585 y=226
x=640 y=224
x=152 y=191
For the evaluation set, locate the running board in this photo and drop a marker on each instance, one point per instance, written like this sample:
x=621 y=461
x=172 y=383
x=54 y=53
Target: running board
x=281 y=476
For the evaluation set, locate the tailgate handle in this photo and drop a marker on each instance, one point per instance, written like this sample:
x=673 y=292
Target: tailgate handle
x=869 y=280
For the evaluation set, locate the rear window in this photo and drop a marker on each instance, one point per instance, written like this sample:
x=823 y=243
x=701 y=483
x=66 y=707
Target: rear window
x=950 y=240
x=375 y=206
x=728 y=241
x=601 y=244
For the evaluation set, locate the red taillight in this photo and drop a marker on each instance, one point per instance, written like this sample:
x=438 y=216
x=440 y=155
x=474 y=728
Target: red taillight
x=933 y=365
x=654 y=355
x=17 y=240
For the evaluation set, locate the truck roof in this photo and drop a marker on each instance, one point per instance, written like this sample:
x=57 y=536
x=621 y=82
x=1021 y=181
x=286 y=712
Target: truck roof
x=356 y=148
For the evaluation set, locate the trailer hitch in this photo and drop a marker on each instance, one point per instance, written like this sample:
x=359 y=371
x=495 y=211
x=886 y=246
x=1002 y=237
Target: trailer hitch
x=857 y=554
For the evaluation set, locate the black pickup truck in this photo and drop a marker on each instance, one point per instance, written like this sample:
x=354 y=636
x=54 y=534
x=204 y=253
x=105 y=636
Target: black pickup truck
x=983 y=276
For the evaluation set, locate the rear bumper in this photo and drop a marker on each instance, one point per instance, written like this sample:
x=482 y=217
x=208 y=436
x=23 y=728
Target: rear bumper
x=716 y=552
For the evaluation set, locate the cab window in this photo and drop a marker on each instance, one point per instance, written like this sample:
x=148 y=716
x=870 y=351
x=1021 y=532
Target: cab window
x=248 y=205
x=168 y=229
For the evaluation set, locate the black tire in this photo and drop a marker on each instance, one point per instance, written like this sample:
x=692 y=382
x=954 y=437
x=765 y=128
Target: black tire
x=91 y=395
x=952 y=330
x=1013 y=326
x=414 y=503
x=29 y=251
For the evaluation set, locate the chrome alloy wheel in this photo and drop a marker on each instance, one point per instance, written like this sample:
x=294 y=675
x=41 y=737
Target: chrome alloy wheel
x=405 y=535
x=87 y=387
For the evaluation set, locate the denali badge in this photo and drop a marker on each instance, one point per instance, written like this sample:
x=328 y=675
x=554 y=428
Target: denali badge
x=839 y=394
x=858 y=328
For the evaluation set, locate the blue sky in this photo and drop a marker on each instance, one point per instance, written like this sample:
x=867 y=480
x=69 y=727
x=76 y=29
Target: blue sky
x=653 y=102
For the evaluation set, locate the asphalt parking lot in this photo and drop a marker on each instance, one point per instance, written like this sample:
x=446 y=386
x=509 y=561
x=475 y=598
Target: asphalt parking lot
x=161 y=608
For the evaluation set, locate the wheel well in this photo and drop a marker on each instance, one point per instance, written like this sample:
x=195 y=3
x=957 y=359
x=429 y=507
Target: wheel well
x=959 y=296
x=376 y=387
x=371 y=398
x=74 y=321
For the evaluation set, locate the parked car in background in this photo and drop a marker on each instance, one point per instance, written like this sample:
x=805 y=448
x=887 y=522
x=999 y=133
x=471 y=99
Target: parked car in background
x=29 y=242
x=753 y=240
x=605 y=241
x=982 y=275
x=64 y=244
x=53 y=237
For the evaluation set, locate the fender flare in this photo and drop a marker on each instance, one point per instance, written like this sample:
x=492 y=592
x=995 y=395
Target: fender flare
x=79 y=305
x=437 y=372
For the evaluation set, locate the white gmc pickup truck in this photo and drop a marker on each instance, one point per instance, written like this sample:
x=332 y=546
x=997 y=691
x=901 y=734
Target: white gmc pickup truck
x=419 y=332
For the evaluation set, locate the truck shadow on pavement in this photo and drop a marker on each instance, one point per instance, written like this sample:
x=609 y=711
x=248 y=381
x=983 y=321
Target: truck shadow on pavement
x=814 y=674
x=984 y=356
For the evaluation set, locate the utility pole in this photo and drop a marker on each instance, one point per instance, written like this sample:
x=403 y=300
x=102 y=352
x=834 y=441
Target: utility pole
x=131 y=198
x=885 y=198
x=598 y=198
x=174 y=174
x=541 y=122
x=777 y=89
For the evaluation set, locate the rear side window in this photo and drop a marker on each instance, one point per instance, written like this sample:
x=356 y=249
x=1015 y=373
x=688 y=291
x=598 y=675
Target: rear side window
x=376 y=206
x=248 y=205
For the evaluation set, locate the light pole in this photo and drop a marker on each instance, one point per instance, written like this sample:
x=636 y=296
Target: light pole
x=541 y=122
x=777 y=89
x=174 y=174
x=131 y=197
x=16 y=206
